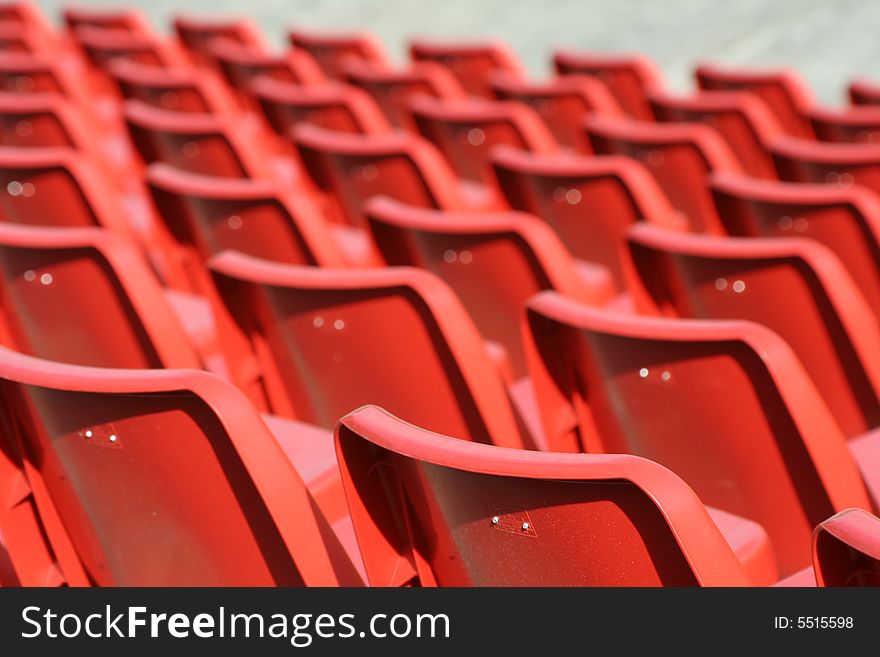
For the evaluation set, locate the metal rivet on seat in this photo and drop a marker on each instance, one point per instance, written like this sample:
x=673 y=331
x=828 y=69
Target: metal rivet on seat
x=495 y=520
x=525 y=526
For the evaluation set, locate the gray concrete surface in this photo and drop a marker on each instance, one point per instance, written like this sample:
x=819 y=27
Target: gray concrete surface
x=828 y=41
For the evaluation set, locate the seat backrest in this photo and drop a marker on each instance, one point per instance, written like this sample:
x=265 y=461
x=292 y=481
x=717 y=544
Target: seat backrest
x=17 y=37
x=28 y=73
x=783 y=91
x=796 y=287
x=26 y=13
x=800 y=160
x=627 y=77
x=392 y=89
x=851 y=125
x=42 y=120
x=158 y=478
x=257 y=217
x=127 y=19
x=328 y=341
x=241 y=64
x=338 y=107
x=466 y=131
x=104 y=45
x=177 y=90
x=846 y=550
x=195 y=34
x=353 y=168
x=864 y=92
x=438 y=511
x=473 y=64
x=494 y=261
x=726 y=405
x=588 y=201
x=742 y=120
x=199 y=143
x=563 y=103
x=331 y=50
x=85 y=296
x=845 y=219
x=679 y=155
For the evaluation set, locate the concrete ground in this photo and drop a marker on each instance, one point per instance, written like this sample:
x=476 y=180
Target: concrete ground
x=828 y=41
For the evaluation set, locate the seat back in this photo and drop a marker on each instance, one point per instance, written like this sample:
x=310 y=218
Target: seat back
x=857 y=125
x=127 y=19
x=680 y=156
x=42 y=120
x=842 y=165
x=196 y=33
x=473 y=64
x=444 y=512
x=241 y=64
x=328 y=341
x=726 y=405
x=169 y=89
x=105 y=45
x=846 y=550
x=864 y=92
x=795 y=287
x=331 y=50
x=28 y=73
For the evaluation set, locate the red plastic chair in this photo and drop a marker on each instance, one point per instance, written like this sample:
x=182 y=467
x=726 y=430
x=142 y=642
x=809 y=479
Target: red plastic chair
x=44 y=120
x=318 y=343
x=349 y=169
x=562 y=103
x=466 y=131
x=337 y=107
x=126 y=19
x=850 y=125
x=795 y=287
x=97 y=286
x=103 y=46
x=846 y=550
x=680 y=156
x=257 y=217
x=473 y=64
x=331 y=50
x=588 y=201
x=846 y=220
x=864 y=92
x=29 y=73
x=785 y=93
x=628 y=77
x=839 y=165
x=207 y=144
x=153 y=478
x=196 y=33
x=493 y=261
x=436 y=511
x=27 y=13
x=18 y=37
x=724 y=404
x=742 y=120
x=392 y=89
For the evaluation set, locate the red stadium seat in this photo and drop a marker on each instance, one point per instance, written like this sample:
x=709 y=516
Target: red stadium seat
x=724 y=404
x=27 y=13
x=604 y=520
x=196 y=33
x=588 y=201
x=318 y=343
x=153 y=478
x=850 y=125
x=680 y=156
x=94 y=284
x=742 y=120
x=864 y=92
x=207 y=144
x=846 y=550
x=466 y=131
x=783 y=90
x=331 y=50
x=103 y=46
x=349 y=169
x=29 y=73
x=127 y=19
x=494 y=261
x=795 y=287
x=392 y=89
x=840 y=165
x=43 y=120
x=337 y=107
x=563 y=103
x=846 y=220
x=19 y=38
x=473 y=64
x=628 y=77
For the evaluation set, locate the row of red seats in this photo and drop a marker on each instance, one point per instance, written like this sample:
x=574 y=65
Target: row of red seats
x=214 y=205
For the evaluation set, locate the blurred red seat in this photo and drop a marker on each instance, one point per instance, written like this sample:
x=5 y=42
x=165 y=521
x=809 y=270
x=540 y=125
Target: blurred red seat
x=603 y=520
x=796 y=287
x=846 y=220
x=850 y=125
x=494 y=261
x=840 y=165
x=103 y=46
x=18 y=37
x=628 y=77
x=784 y=92
x=724 y=404
x=29 y=73
x=742 y=120
x=28 y=14
x=318 y=343
x=392 y=89
x=680 y=156
x=864 y=92
x=588 y=201
x=153 y=478
x=846 y=550
x=472 y=63
x=195 y=34
x=563 y=103
x=128 y=19
x=331 y=49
